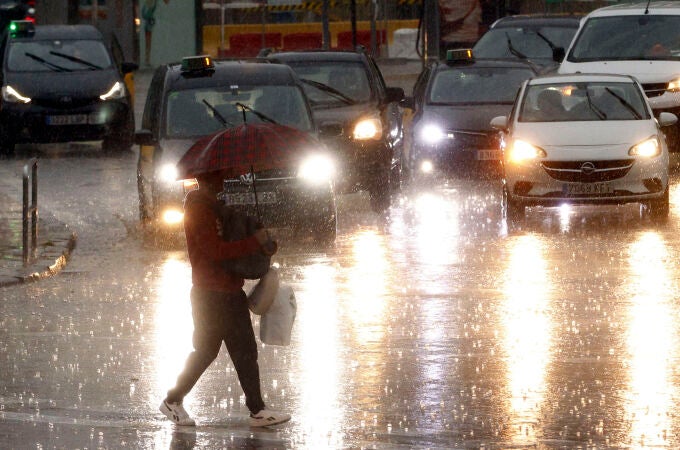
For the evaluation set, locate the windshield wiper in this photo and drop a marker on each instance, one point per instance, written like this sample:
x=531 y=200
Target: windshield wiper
x=76 y=59
x=598 y=112
x=548 y=41
x=257 y=113
x=54 y=67
x=625 y=103
x=329 y=90
x=217 y=115
x=513 y=50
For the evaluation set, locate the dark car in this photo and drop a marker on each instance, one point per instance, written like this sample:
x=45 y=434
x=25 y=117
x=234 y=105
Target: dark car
x=539 y=38
x=61 y=83
x=200 y=97
x=453 y=103
x=347 y=90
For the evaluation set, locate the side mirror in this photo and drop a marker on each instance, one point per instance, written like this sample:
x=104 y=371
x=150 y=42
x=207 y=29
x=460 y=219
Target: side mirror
x=393 y=94
x=330 y=130
x=667 y=119
x=499 y=123
x=558 y=54
x=128 y=67
x=144 y=137
x=408 y=102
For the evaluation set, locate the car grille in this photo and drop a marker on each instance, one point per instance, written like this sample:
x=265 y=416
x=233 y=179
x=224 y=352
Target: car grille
x=587 y=171
x=654 y=89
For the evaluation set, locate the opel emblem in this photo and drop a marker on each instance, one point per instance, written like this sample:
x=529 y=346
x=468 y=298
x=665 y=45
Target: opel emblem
x=246 y=178
x=587 y=168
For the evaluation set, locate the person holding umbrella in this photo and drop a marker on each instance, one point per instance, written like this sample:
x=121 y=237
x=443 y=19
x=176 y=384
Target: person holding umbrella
x=219 y=306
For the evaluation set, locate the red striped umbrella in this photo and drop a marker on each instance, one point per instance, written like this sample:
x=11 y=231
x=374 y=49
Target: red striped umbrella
x=235 y=150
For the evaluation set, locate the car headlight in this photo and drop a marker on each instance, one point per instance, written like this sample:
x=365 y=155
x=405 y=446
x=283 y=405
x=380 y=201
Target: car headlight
x=11 y=95
x=117 y=91
x=647 y=148
x=432 y=134
x=369 y=128
x=674 y=85
x=168 y=173
x=173 y=216
x=316 y=169
x=523 y=151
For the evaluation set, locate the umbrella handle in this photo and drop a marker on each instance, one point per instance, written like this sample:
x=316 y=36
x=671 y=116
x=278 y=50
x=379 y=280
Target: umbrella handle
x=257 y=204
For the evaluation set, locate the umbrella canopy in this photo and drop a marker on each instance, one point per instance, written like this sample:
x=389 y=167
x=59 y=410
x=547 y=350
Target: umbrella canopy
x=236 y=150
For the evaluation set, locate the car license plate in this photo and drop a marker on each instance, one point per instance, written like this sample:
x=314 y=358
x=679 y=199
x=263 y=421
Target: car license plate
x=485 y=155
x=586 y=188
x=248 y=198
x=70 y=119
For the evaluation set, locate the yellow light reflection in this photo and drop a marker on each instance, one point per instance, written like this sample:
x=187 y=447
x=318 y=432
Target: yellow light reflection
x=527 y=334
x=174 y=325
x=651 y=340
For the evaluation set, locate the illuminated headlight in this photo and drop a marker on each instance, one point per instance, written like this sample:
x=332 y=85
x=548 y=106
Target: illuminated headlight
x=316 y=169
x=370 y=128
x=432 y=134
x=647 y=148
x=426 y=166
x=168 y=173
x=674 y=85
x=11 y=95
x=173 y=216
x=117 y=91
x=523 y=151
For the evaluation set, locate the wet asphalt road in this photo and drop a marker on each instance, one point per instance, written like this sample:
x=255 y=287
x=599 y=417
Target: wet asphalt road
x=433 y=326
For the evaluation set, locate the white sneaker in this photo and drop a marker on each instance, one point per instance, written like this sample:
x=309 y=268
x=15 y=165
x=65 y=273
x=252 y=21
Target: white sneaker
x=177 y=413
x=266 y=417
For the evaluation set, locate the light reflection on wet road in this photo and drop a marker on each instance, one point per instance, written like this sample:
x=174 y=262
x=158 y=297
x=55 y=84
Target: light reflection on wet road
x=434 y=327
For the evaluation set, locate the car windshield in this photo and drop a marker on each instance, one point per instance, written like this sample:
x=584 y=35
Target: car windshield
x=57 y=56
x=532 y=42
x=471 y=85
x=583 y=101
x=206 y=110
x=628 y=38
x=347 y=78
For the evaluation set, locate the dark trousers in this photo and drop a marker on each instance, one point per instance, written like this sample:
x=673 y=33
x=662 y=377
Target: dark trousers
x=221 y=317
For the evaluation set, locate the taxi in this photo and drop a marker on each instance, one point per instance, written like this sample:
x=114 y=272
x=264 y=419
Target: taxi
x=200 y=96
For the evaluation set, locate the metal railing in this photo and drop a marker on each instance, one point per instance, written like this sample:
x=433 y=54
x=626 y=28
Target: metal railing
x=30 y=210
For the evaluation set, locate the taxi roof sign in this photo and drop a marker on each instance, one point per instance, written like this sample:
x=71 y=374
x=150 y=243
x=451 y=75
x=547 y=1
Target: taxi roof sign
x=197 y=63
x=459 y=55
x=21 y=28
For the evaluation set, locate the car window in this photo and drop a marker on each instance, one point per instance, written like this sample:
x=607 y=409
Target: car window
x=477 y=85
x=349 y=78
x=200 y=111
x=628 y=38
x=531 y=42
x=591 y=101
x=57 y=55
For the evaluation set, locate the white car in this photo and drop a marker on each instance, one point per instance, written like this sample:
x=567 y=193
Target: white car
x=583 y=138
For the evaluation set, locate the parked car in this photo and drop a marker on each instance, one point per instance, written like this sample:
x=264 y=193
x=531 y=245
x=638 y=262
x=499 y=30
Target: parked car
x=199 y=97
x=583 y=138
x=453 y=102
x=538 y=38
x=638 y=39
x=347 y=90
x=61 y=83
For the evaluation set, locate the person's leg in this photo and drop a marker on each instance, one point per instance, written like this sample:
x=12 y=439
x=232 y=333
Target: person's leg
x=242 y=347
x=206 y=309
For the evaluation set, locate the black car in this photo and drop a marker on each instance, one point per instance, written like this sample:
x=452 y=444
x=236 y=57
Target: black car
x=453 y=103
x=200 y=97
x=538 y=38
x=347 y=90
x=61 y=83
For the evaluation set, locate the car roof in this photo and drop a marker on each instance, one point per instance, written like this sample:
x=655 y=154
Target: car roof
x=233 y=72
x=637 y=8
x=317 y=55
x=528 y=20
x=491 y=63
x=51 y=32
x=580 y=77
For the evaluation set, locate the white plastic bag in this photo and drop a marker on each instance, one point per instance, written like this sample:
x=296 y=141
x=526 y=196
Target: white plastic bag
x=262 y=295
x=276 y=325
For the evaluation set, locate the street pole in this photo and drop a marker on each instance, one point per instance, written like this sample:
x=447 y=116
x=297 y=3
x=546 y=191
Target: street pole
x=325 y=26
x=353 y=20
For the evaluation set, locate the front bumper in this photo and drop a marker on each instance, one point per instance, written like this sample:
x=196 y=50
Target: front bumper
x=359 y=163
x=458 y=149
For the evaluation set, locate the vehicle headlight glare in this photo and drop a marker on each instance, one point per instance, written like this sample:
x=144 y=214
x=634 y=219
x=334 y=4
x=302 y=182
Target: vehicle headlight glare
x=117 y=91
x=173 y=216
x=316 y=169
x=168 y=173
x=368 y=129
x=647 y=148
x=524 y=151
x=674 y=85
x=432 y=134
x=11 y=95
x=426 y=166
